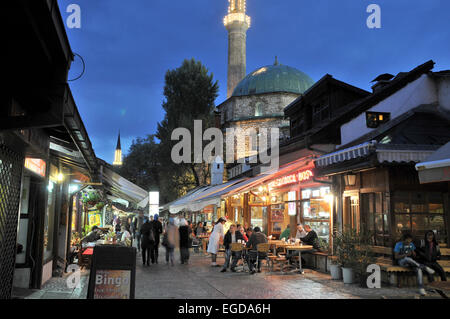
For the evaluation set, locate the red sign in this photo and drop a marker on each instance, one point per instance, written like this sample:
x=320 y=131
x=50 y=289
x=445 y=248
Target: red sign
x=298 y=177
x=36 y=165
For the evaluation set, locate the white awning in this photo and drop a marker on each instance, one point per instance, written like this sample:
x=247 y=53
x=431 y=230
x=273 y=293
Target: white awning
x=436 y=167
x=121 y=187
x=201 y=198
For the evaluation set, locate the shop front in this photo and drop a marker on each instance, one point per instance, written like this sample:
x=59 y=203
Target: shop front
x=298 y=198
x=378 y=190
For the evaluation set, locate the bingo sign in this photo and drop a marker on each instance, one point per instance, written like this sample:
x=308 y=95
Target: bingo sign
x=113 y=272
x=299 y=177
x=112 y=284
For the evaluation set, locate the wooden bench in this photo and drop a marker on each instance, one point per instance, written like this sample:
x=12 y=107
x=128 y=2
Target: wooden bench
x=398 y=275
x=403 y=276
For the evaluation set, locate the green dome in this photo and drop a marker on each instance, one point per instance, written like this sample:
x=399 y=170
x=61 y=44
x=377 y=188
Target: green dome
x=274 y=78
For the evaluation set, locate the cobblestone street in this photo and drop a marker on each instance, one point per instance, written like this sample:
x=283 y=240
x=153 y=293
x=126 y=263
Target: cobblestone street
x=198 y=280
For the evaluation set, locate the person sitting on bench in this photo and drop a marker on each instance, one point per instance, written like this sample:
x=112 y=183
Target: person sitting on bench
x=429 y=253
x=404 y=252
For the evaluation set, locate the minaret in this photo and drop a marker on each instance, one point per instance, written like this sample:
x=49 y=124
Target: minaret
x=237 y=24
x=118 y=153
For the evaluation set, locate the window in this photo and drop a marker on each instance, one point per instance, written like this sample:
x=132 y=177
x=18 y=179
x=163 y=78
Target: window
x=316 y=210
x=259 y=109
x=375 y=119
x=417 y=212
x=376 y=218
x=320 y=112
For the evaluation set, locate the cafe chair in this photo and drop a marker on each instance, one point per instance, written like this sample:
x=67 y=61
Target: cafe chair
x=263 y=251
x=238 y=248
x=196 y=245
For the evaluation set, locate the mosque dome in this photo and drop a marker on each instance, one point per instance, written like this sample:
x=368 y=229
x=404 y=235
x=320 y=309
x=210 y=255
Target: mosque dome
x=274 y=78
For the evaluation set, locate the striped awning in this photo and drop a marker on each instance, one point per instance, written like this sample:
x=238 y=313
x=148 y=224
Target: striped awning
x=361 y=150
x=385 y=153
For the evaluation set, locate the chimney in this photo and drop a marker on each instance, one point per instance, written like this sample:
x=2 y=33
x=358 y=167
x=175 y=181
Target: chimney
x=379 y=85
x=381 y=81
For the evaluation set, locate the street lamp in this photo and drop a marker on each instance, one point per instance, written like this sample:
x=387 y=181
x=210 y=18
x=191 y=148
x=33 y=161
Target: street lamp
x=350 y=179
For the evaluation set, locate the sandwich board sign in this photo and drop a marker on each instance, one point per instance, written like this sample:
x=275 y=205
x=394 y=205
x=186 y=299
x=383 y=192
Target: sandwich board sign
x=113 y=273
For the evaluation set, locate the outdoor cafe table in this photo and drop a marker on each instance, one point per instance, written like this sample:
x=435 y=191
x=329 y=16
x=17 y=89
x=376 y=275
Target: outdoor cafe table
x=299 y=248
x=204 y=239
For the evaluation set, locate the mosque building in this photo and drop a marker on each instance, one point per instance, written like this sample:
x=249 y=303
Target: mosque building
x=257 y=100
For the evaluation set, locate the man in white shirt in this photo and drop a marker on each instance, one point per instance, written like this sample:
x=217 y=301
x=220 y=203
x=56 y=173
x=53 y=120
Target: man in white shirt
x=300 y=232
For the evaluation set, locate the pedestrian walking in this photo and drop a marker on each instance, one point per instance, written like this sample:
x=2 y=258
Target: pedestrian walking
x=157 y=231
x=147 y=241
x=139 y=223
x=184 y=231
x=170 y=240
x=215 y=240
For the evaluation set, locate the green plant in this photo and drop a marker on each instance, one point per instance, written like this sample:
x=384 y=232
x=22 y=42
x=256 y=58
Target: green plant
x=352 y=249
x=324 y=245
x=85 y=230
x=100 y=205
x=91 y=198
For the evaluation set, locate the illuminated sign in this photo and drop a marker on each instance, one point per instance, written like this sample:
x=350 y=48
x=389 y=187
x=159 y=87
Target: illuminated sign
x=36 y=165
x=298 y=177
x=153 y=203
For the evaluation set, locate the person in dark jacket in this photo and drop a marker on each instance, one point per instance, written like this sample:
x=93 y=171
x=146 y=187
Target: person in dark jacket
x=428 y=253
x=311 y=238
x=157 y=231
x=146 y=242
x=256 y=238
x=185 y=231
x=232 y=236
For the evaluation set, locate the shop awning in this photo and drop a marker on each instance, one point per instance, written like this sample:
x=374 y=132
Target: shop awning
x=267 y=176
x=436 y=167
x=384 y=153
x=200 y=198
x=122 y=188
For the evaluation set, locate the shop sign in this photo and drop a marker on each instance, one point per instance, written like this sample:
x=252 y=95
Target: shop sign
x=113 y=272
x=36 y=165
x=112 y=284
x=298 y=177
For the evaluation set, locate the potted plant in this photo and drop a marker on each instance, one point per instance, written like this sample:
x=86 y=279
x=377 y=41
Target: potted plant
x=364 y=256
x=335 y=270
x=346 y=253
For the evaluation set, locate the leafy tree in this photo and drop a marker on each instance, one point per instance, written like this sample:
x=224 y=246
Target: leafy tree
x=141 y=164
x=189 y=93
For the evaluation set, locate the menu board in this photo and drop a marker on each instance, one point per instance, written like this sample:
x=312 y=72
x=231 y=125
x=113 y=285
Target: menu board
x=113 y=272
x=112 y=284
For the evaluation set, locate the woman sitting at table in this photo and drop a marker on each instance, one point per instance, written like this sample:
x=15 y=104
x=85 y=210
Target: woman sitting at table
x=241 y=230
x=125 y=234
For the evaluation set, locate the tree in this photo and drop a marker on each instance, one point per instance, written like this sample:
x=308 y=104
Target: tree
x=189 y=93
x=141 y=164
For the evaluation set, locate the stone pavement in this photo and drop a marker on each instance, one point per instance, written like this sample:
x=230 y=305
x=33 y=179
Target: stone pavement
x=198 y=280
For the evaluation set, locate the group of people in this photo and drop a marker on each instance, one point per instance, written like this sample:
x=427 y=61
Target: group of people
x=304 y=233
x=422 y=257
x=148 y=236
x=250 y=237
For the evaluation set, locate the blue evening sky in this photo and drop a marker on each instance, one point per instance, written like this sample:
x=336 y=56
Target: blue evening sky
x=129 y=45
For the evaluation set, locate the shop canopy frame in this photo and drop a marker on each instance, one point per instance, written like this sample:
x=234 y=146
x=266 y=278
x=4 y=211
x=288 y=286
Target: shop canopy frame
x=436 y=167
